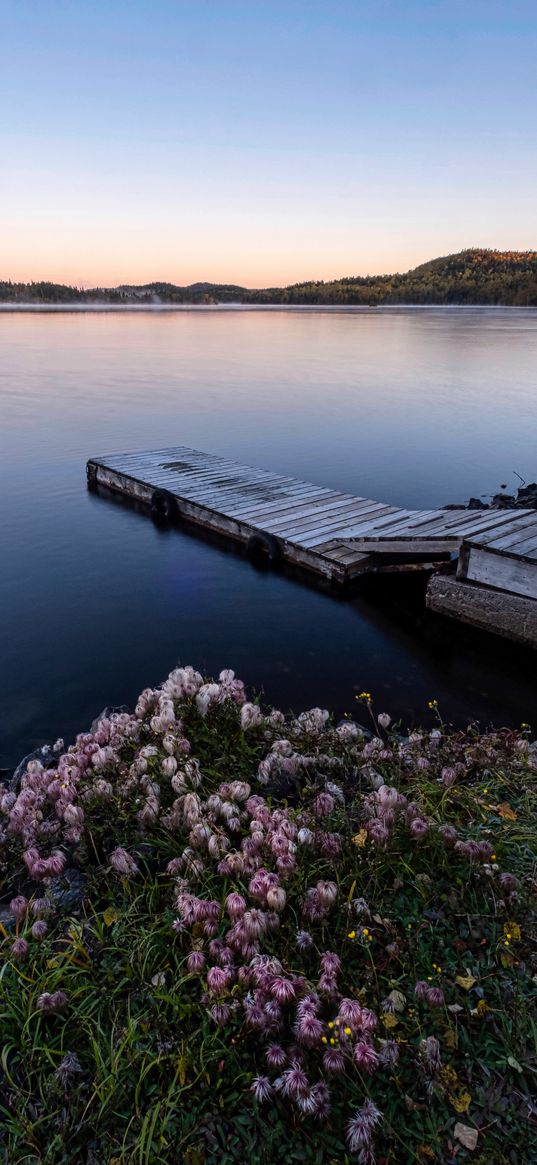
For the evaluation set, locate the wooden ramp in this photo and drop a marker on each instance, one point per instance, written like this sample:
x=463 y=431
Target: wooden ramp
x=323 y=530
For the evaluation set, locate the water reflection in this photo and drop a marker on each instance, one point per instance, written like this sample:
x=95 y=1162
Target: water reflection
x=416 y=408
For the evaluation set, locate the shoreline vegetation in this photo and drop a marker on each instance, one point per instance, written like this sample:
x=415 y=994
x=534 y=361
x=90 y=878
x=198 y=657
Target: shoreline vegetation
x=231 y=934
x=473 y=277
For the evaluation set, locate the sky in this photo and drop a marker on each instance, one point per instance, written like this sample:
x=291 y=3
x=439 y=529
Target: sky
x=262 y=142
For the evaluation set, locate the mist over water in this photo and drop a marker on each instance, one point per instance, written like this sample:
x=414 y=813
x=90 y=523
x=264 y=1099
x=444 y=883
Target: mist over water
x=413 y=407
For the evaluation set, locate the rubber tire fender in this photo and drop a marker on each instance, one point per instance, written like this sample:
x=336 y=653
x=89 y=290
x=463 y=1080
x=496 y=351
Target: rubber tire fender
x=263 y=548
x=164 y=506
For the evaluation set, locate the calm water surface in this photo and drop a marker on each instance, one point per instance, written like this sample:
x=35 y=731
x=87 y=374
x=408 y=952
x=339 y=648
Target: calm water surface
x=413 y=407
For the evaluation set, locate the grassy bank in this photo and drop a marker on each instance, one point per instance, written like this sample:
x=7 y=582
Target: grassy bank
x=235 y=935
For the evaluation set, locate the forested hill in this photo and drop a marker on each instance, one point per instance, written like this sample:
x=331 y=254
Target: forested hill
x=506 y=278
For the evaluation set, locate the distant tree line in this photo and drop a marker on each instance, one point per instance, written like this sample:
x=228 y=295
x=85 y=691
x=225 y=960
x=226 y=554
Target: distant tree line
x=474 y=276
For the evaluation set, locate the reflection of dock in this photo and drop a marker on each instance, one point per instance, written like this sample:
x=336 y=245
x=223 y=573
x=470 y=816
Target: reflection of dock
x=330 y=533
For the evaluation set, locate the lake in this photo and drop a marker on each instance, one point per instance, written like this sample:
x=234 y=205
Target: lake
x=416 y=407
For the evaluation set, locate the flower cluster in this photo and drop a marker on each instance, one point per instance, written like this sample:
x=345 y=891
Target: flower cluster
x=265 y=873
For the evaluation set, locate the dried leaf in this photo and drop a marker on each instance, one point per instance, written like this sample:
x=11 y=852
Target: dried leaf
x=454 y=1008
x=465 y=1135
x=467 y=981
x=398 y=999
x=110 y=916
x=504 y=810
x=181 y=1069
x=360 y=838
x=462 y=1102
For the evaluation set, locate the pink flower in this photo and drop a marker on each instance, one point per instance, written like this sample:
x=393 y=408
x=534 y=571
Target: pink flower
x=282 y=990
x=196 y=961
x=421 y=989
x=327 y=893
x=323 y=805
x=19 y=949
x=365 y=1057
x=18 y=907
x=54 y=1001
x=221 y=1013
x=419 y=827
x=360 y=1129
x=334 y=1061
x=331 y=963
x=261 y=1088
x=122 y=862
x=303 y=940
x=309 y=1030
x=276 y=1056
x=39 y=929
x=294 y=1082
x=217 y=980
x=384 y=720
x=435 y=997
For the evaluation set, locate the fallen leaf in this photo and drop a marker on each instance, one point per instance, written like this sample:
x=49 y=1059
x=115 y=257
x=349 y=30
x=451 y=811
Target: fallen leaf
x=465 y=1135
x=389 y=1020
x=398 y=999
x=467 y=981
x=181 y=1069
x=504 y=810
x=514 y=1064
x=462 y=1102
x=454 y=1008
x=110 y=916
x=360 y=838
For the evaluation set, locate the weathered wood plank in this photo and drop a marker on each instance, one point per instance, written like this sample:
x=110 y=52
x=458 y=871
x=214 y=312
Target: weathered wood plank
x=510 y=616
x=502 y=572
x=523 y=518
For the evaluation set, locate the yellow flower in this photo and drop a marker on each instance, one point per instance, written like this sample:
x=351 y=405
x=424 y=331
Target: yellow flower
x=330 y=1024
x=332 y=1041
x=348 y=1031
x=433 y=704
x=324 y=1040
x=364 y=696
x=512 y=930
x=351 y=934
x=482 y=1007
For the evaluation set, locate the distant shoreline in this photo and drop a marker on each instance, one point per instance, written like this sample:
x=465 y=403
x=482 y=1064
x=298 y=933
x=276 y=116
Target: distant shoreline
x=472 y=278
x=171 y=308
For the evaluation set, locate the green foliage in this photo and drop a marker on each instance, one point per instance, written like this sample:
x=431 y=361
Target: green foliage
x=160 y=1085
x=475 y=276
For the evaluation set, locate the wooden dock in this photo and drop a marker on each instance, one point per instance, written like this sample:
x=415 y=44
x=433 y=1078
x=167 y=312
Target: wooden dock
x=333 y=534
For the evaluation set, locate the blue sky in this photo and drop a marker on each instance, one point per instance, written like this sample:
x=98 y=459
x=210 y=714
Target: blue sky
x=262 y=142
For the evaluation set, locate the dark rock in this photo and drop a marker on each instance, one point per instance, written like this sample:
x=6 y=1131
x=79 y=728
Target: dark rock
x=477 y=504
x=68 y=891
x=454 y=506
x=46 y=754
x=527 y=495
x=503 y=501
